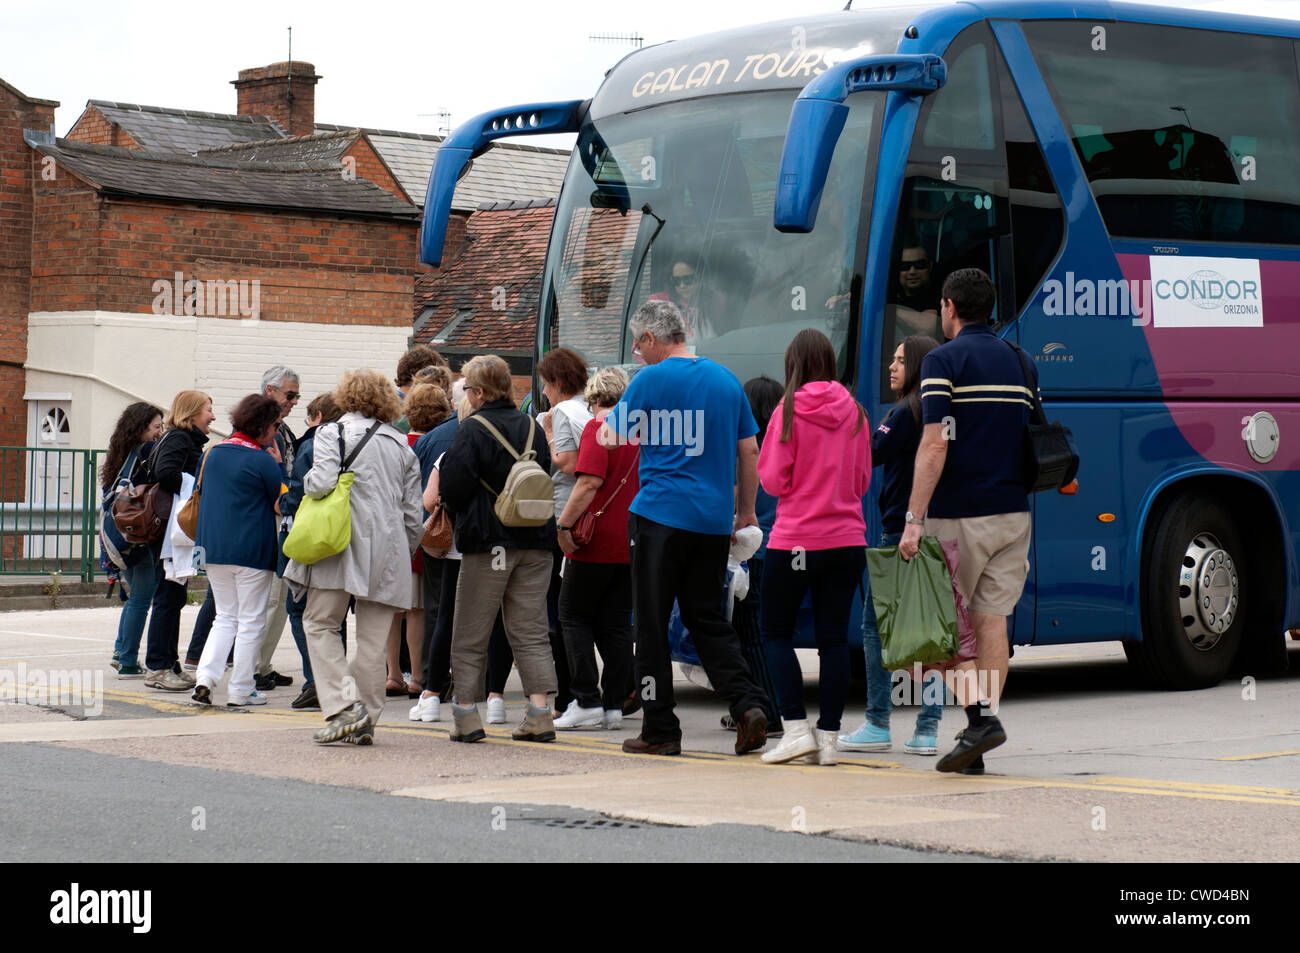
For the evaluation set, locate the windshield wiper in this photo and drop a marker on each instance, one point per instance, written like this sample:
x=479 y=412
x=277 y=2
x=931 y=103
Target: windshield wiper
x=636 y=276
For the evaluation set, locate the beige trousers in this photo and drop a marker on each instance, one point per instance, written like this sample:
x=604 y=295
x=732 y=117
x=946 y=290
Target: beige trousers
x=340 y=679
x=513 y=581
x=277 y=613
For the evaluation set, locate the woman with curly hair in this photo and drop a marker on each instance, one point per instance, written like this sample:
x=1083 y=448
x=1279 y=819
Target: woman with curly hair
x=386 y=528
x=138 y=427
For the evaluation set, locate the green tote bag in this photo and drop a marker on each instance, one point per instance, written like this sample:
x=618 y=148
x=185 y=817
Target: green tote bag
x=323 y=528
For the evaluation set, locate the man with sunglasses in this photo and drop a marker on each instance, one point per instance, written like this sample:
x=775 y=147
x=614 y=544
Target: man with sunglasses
x=915 y=297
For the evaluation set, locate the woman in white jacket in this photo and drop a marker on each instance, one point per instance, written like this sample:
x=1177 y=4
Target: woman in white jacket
x=375 y=567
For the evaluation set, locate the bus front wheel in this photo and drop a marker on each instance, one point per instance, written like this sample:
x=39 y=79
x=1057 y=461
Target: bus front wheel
x=1196 y=590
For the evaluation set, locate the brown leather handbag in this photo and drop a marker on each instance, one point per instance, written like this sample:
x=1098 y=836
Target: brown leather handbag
x=141 y=512
x=188 y=518
x=438 y=532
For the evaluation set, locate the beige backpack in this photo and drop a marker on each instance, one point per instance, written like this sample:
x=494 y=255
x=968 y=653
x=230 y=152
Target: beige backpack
x=528 y=497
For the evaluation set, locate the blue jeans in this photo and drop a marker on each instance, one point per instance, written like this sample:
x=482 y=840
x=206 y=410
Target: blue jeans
x=879 y=682
x=141 y=577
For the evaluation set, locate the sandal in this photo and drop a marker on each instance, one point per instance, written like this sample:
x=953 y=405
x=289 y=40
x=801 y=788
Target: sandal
x=394 y=689
x=414 y=689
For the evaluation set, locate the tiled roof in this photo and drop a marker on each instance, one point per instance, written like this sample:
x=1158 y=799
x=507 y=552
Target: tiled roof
x=500 y=264
x=184 y=130
x=321 y=147
x=223 y=181
x=506 y=172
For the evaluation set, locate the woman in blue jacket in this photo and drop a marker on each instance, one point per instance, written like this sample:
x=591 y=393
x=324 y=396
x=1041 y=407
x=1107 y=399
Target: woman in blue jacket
x=240 y=482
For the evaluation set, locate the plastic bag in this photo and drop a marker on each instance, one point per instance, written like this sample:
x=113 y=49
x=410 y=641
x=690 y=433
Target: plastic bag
x=916 y=610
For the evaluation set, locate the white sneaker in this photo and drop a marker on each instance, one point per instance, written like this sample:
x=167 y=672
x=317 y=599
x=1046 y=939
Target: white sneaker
x=426 y=709
x=239 y=701
x=613 y=719
x=797 y=742
x=496 y=711
x=576 y=716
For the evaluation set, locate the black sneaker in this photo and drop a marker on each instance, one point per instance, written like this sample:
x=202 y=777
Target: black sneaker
x=280 y=680
x=202 y=694
x=975 y=767
x=751 y=731
x=972 y=743
x=264 y=683
x=307 y=698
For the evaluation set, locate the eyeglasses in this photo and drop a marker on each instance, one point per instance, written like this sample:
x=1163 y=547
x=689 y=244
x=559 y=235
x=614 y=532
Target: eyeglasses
x=684 y=279
x=919 y=264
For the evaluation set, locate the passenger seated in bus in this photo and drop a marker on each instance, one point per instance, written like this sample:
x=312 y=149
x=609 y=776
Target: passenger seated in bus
x=914 y=298
x=703 y=309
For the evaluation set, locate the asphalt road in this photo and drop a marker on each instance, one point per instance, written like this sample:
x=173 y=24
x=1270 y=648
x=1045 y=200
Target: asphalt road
x=1097 y=767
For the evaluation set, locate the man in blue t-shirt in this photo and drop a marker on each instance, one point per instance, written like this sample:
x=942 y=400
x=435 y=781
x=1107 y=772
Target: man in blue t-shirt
x=969 y=485
x=696 y=432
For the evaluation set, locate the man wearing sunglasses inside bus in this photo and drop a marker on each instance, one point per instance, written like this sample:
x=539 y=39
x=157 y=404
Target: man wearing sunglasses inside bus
x=914 y=296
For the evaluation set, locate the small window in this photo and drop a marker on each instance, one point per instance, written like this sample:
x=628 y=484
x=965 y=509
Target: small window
x=1183 y=134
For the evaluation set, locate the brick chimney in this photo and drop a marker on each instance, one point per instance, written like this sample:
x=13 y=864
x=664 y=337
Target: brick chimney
x=285 y=93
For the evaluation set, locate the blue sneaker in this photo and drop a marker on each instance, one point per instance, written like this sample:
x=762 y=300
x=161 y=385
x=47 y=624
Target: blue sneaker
x=866 y=738
x=922 y=744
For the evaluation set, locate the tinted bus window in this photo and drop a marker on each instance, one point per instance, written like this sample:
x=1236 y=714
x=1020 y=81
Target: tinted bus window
x=1183 y=134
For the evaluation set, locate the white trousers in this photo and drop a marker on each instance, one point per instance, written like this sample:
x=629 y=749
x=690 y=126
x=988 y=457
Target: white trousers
x=240 y=595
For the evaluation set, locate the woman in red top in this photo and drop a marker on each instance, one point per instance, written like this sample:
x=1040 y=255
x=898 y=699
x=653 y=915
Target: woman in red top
x=596 y=591
x=425 y=407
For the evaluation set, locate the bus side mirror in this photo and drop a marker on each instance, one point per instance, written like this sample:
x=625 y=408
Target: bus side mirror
x=818 y=117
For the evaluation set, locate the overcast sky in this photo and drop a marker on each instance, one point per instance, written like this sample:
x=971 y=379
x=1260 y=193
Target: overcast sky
x=389 y=65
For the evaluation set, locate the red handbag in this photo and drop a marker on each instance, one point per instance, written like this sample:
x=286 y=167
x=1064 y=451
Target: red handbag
x=584 y=530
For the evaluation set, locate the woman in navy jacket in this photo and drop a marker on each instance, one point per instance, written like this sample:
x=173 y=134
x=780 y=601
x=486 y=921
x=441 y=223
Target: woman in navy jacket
x=240 y=482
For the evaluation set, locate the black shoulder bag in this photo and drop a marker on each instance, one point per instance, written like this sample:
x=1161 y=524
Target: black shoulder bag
x=1051 y=457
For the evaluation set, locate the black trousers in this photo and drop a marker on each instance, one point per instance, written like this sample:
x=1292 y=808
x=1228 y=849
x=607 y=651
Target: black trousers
x=596 y=610
x=668 y=564
x=564 y=692
x=745 y=620
x=165 y=626
x=437 y=650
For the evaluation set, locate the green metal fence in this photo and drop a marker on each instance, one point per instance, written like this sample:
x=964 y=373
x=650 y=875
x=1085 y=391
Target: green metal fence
x=49 y=511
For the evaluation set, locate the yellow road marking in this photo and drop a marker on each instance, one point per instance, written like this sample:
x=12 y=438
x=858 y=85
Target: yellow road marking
x=1256 y=757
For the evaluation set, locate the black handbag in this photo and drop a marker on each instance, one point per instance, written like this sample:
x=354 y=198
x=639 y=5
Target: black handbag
x=1051 y=456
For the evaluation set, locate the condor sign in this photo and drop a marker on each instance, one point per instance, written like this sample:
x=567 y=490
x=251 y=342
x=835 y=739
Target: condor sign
x=1206 y=292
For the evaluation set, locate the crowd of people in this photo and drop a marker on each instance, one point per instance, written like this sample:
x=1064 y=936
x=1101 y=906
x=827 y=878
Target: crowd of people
x=578 y=533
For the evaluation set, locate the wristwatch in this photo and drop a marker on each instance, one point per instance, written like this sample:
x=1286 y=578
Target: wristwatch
x=563 y=529
x=916 y=520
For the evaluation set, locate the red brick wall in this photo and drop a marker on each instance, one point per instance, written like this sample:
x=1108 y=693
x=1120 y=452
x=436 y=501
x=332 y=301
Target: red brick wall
x=18 y=167
x=370 y=167
x=93 y=127
x=94 y=253
x=264 y=91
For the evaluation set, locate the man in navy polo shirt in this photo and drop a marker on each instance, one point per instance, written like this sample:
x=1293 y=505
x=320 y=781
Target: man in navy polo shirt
x=969 y=485
x=694 y=425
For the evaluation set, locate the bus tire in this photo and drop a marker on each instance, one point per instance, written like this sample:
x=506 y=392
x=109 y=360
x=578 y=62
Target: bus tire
x=1197 y=587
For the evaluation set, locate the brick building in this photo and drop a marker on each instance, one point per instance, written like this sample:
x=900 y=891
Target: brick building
x=153 y=250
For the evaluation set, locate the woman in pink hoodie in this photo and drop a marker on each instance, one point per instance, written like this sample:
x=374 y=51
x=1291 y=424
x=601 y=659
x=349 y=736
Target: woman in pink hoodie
x=816 y=460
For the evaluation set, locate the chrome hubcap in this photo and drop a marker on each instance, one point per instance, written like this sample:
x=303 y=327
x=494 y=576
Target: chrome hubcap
x=1208 y=591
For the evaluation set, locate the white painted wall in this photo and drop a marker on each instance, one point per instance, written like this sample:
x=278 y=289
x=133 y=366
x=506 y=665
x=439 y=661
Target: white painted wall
x=107 y=360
